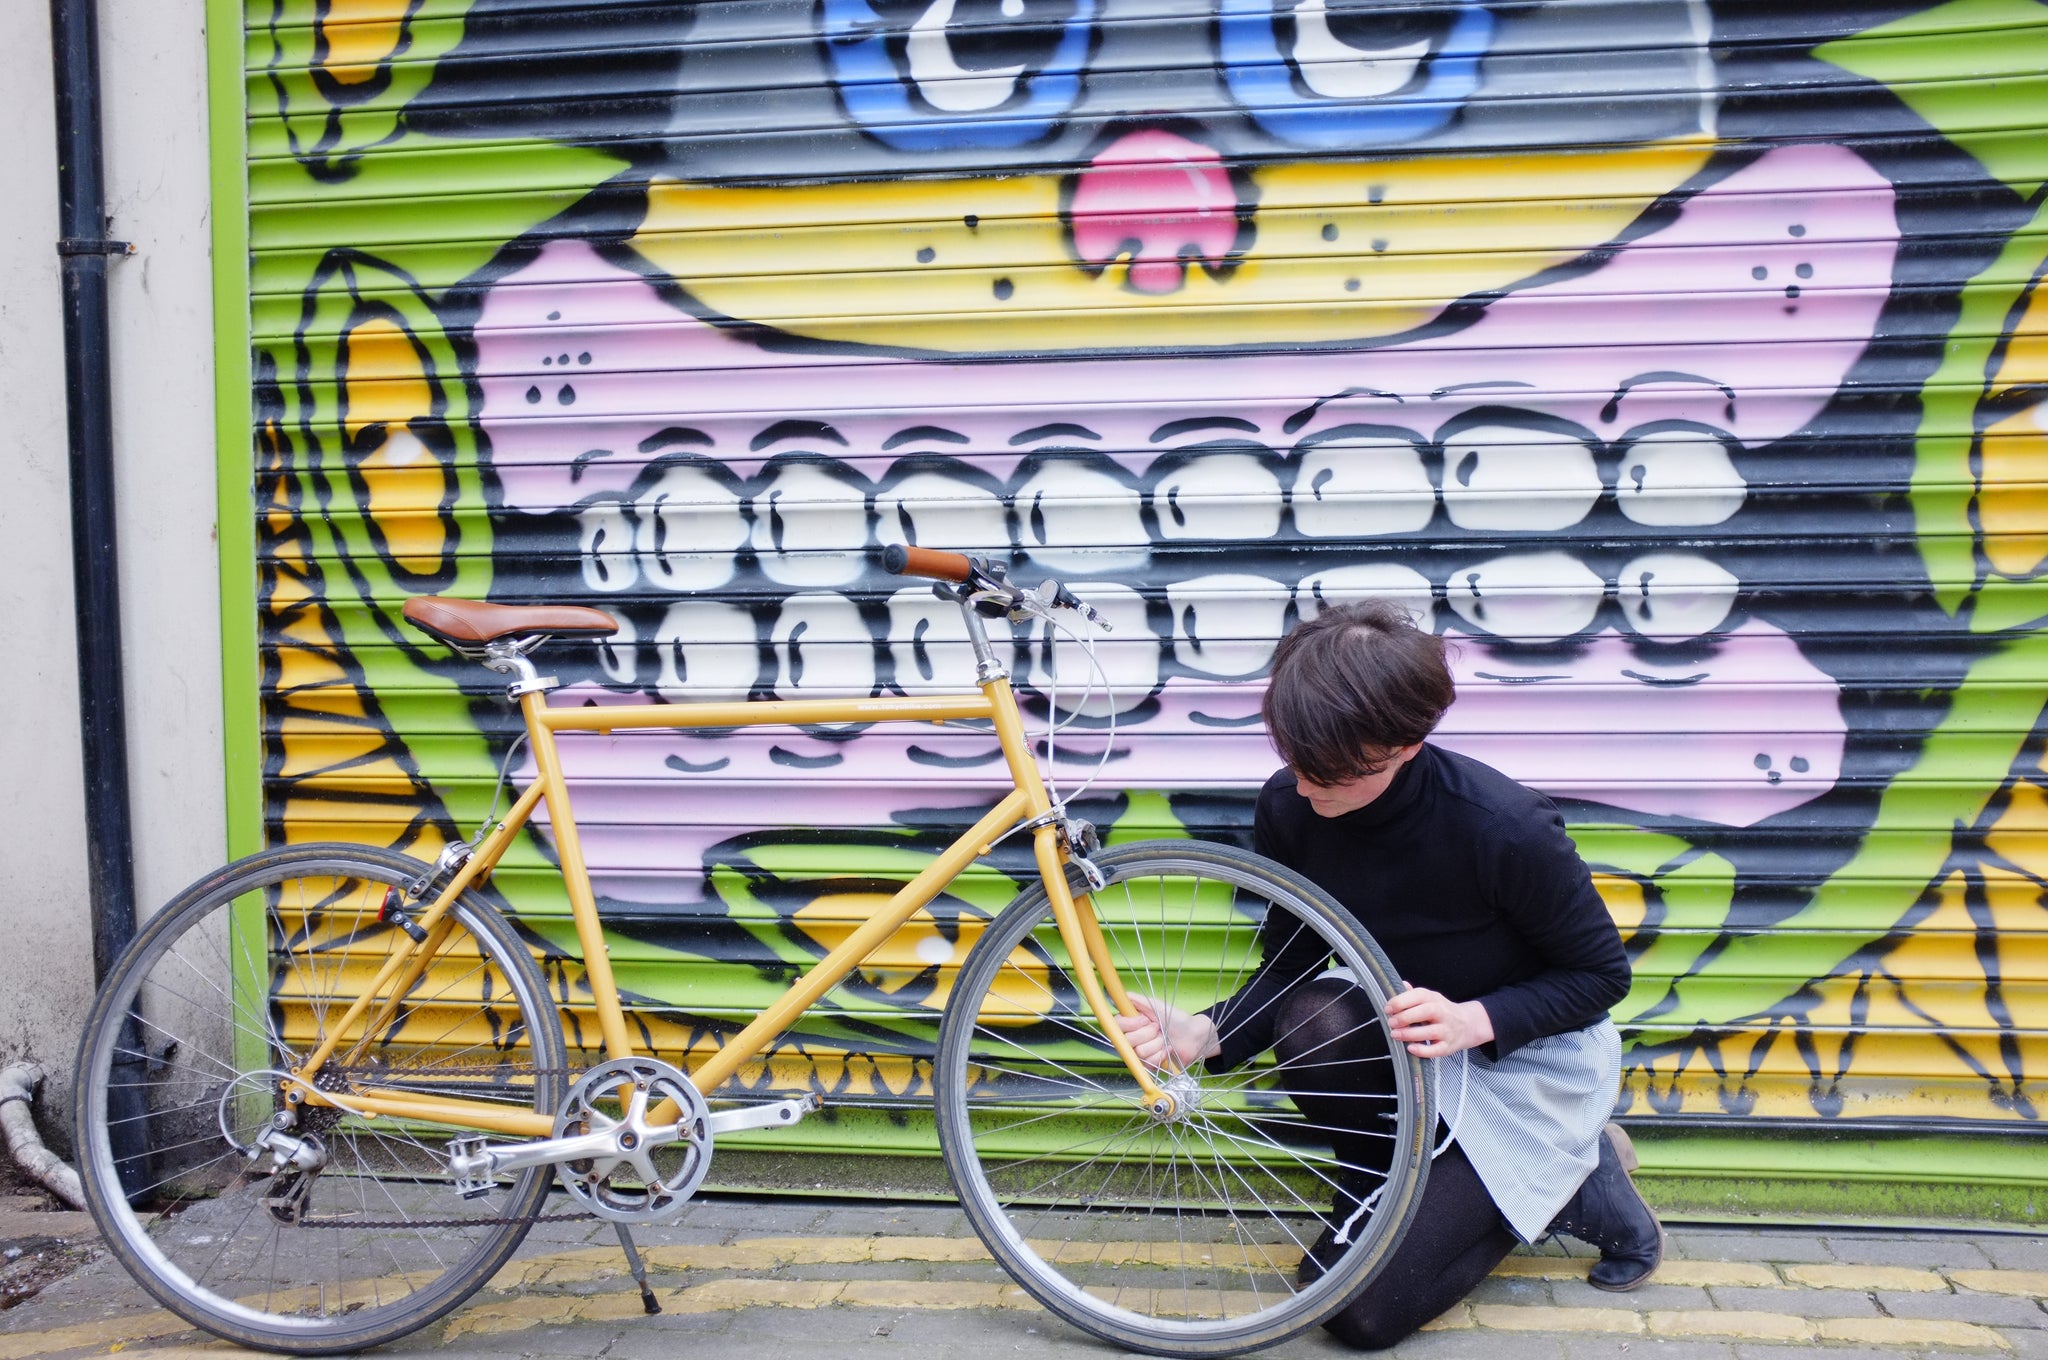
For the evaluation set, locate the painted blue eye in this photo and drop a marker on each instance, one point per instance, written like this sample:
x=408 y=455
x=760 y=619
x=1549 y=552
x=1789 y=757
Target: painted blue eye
x=944 y=75
x=1340 y=74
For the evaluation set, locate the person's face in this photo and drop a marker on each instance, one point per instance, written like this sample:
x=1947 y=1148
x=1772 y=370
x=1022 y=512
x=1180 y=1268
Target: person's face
x=1334 y=800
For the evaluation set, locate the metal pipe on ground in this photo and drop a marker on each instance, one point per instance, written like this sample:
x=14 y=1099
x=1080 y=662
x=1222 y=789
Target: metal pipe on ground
x=18 y=1085
x=83 y=249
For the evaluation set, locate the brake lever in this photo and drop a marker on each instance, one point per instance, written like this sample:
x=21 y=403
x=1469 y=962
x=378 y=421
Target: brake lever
x=1052 y=593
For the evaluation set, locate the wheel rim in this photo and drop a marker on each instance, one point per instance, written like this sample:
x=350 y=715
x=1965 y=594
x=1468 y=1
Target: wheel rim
x=1181 y=1233
x=248 y=978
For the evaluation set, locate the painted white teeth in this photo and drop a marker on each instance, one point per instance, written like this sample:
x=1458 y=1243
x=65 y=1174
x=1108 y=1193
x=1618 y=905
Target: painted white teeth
x=927 y=642
x=1076 y=517
x=1226 y=624
x=606 y=547
x=1527 y=597
x=1507 y=477
x=1362 y=486
x=933 y=510
x=689 y=526
x=1218 y=495
x=1129 y=654
x=618 y=654
x=822 y=648
x=707 y=651
x=1679 y=477
x=1675 y=595
x=810 y=526
x=1372 y=581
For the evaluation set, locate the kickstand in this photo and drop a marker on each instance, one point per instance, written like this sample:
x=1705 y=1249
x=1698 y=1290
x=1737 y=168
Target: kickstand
x=634 y=1264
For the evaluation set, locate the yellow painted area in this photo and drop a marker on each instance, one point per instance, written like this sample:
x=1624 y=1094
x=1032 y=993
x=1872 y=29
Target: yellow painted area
x=1625 y=902
x=361 y=35
x=2012 y=493
x=2020 y=835
x=403 y=480
x=2025 y=361
x=841 y=261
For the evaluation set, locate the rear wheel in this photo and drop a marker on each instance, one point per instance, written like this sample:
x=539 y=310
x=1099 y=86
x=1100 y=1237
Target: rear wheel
x=1184 y=1235
x=232 y=986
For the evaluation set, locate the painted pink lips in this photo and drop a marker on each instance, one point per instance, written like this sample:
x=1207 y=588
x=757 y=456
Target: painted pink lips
x=1160 y=199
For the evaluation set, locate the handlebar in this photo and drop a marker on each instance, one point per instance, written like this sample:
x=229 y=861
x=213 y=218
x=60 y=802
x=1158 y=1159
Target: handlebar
x=927 y=562
x=987 y=585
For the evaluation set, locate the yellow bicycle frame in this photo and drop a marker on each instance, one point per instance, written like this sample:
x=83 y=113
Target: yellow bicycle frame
x=1079 y=929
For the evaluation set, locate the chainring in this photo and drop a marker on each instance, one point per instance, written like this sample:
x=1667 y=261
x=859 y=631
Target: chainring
x=652 y=1180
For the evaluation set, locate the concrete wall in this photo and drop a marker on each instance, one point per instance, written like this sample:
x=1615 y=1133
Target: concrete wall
x=153 y=77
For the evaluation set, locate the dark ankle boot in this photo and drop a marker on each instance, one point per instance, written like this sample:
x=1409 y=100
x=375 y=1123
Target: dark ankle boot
x=1609 y=1213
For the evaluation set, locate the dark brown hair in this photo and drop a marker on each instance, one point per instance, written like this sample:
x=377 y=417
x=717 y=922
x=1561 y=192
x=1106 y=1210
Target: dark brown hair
x=1350 y=685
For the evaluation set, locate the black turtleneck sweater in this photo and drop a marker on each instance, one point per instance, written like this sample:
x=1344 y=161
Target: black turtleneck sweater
x=1467 y=881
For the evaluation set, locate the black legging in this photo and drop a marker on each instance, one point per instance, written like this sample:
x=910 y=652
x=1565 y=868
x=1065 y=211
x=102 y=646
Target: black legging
x=1333 y=1050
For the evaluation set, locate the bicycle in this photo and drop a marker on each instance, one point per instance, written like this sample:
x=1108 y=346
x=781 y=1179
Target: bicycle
x=324 y=1092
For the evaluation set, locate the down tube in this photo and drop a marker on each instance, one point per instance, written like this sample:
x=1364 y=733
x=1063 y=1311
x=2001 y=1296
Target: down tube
x=826 y=973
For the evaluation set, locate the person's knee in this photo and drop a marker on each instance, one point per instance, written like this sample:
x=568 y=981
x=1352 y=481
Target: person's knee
x=1314 y=1015
x=1365 y=1327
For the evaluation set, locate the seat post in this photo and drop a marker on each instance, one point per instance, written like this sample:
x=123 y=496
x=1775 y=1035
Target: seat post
x=508 y=657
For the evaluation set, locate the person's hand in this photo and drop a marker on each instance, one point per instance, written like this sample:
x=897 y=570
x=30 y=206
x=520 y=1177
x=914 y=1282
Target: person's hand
x=1158 y=1030
x=1434 y=1026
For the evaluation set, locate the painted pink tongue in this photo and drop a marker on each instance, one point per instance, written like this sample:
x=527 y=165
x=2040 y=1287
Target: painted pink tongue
x=1162 y=199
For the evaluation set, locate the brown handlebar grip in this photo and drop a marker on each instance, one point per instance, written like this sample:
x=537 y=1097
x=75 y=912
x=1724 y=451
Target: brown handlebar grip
x=927 y=562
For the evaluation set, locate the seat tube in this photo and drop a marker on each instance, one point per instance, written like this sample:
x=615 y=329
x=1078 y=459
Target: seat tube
x=597 y=963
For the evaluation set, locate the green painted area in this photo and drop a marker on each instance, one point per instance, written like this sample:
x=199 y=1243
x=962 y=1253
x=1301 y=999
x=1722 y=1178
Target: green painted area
x=233 y=426
x=1965 y=67
x=1830 y=1172
x=1822 y=1175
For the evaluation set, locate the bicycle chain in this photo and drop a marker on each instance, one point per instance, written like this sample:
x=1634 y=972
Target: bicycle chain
x=495 y=1221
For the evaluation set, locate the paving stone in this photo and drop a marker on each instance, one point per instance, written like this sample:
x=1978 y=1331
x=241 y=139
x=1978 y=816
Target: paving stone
x=1648 y=1348
x=2014 y=1252
x=1748 y=1247
x=1508 y=1318
x=1579 y=1294
x=1804 y=1302
x=1735 y=1325
x=2030 y=1284
x=1511 y=1290
x=1914 y=1332
x=1866 y=1278
x=1463 y=1345
x=1747 y=1351
x=1989 y=1309
x=2028 y=1343
x=1752 y=1274
x=1922 y=1251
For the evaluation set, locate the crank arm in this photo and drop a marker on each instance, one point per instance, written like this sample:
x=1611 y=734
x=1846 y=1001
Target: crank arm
x=473 y=1161
x=781 y=1114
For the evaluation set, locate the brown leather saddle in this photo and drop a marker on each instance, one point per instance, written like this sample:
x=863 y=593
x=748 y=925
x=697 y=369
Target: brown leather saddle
x=468 y=625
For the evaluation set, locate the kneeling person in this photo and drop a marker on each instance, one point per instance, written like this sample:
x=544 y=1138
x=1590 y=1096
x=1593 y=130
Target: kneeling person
x=1469 y=883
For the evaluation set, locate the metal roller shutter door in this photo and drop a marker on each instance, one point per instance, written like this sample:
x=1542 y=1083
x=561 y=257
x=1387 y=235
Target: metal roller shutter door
x=1682 y=362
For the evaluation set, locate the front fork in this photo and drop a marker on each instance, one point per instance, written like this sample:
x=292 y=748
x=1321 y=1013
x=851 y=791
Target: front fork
x=1088 y=949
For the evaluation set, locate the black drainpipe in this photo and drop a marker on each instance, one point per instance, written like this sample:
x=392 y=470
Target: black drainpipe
x=82 y=249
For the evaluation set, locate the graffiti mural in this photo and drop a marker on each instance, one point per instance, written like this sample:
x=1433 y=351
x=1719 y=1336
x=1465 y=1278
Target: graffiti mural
x=1682 y=362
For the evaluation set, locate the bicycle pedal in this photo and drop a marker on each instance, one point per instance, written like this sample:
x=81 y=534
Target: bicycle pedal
x=464 y=1153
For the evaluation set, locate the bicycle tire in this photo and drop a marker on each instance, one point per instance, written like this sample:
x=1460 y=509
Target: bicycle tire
x=190 y=1219
x=1176 y=1237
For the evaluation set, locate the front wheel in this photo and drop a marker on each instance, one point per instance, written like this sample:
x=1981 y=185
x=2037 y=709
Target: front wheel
x=224 y=992
x=1183 y=1235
